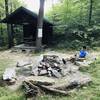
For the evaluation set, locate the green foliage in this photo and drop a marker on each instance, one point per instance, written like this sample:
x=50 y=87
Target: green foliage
x=13 y=5
x=71 y=17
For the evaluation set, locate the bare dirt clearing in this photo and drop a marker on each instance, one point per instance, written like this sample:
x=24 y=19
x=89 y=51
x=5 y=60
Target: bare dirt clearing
x=17 y=56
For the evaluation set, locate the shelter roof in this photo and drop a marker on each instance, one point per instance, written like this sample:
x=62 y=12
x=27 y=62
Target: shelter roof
x=23 y=16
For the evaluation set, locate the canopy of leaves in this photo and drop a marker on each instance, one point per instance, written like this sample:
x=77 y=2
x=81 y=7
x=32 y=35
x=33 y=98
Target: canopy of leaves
x=12 y=5
x=71 y=17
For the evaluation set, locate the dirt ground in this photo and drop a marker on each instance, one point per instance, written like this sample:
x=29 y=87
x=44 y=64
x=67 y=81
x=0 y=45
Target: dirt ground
x=17 y=56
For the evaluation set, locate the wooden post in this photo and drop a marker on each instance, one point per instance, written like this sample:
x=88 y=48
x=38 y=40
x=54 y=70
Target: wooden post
x=40 y=26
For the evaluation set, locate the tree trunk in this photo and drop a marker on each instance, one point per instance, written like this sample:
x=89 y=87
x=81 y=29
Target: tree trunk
x=90 y=11
x=1 y=26
x=40 y=26
x=8 y=26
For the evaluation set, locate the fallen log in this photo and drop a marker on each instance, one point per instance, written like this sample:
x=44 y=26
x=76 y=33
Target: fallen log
x=30 y=89
x=44 y=88
x=52 y=90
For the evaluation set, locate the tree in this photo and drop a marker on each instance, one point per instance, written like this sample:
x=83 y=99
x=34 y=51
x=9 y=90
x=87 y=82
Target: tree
x=10 y=6
x=40 y=26
x=76 y=20
x=10 y=39
x=90 y=12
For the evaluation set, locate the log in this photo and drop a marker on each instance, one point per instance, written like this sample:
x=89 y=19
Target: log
x=30 y=89
x=46 y=88
x=52 y=90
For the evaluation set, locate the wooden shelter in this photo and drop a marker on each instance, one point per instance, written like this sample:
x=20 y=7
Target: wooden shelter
x=28 y=20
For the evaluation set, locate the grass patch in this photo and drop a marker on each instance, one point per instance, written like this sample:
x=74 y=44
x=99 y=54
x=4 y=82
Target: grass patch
x=5 y=93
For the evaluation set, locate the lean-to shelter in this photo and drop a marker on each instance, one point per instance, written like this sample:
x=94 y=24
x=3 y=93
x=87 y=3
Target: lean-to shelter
x=28 y=20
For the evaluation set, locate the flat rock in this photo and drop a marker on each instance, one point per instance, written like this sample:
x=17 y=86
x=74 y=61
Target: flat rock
x=56 y=73
x=83 y=64
x=41 y=80
x=23 y=63
x=43 y=72
x=9 y=74
x=72 y=80
x=80 y=78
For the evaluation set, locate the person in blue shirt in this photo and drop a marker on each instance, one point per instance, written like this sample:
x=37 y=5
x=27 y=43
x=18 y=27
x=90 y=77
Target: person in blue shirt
x=83 y=53
x=81 y=56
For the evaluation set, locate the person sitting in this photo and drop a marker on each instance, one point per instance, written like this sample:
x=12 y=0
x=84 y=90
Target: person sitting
x=81 y=56
x=83 y=53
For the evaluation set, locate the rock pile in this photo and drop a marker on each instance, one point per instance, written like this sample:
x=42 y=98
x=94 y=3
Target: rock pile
x=50 y=65
x=54 y=66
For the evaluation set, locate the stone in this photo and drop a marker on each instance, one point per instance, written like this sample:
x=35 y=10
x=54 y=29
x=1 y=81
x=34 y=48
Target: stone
x=35 y=71
x=40 y=79
x=23 y=63
x=56 y=73
x=80 y=78
x=83 y=64
x=9 y=74
x=43 y=72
